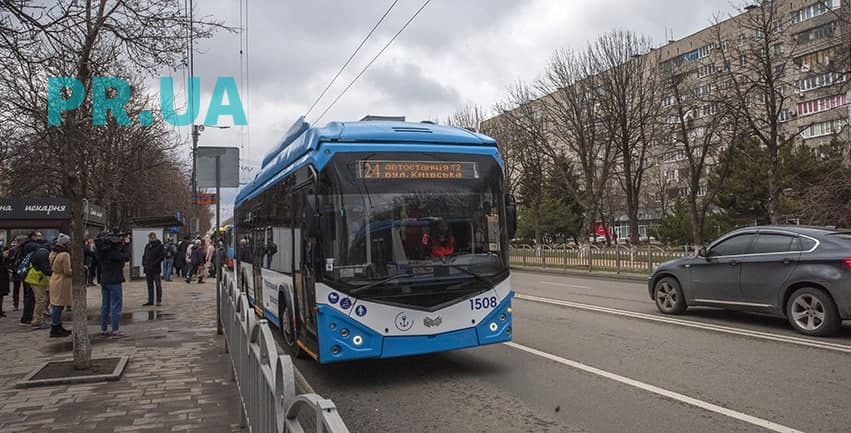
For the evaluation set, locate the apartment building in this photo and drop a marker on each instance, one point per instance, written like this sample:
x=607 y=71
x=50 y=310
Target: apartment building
x=808 y=50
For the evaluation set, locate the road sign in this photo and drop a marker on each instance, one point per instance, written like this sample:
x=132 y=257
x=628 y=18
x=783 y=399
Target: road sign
x=205 y=199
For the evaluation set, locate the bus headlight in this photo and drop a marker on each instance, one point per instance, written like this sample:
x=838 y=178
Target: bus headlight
x=344 y=332
x=333 y=326
x=335 y=350
x=358 y=340
x=493 y=327
x=502 y=317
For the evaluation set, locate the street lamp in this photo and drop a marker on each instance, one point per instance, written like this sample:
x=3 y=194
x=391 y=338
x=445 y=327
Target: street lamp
x=196 y=133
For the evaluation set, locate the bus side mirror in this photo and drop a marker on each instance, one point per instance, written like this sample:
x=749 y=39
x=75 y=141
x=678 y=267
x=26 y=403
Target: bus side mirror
x=511 y=215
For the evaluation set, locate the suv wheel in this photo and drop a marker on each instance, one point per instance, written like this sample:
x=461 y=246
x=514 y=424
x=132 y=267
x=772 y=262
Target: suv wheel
x=669 y=296
x=812 y=312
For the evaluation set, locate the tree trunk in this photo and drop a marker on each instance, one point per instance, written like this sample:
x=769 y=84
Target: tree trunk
x=82 y=344
x=696 y=223
x=773 y=190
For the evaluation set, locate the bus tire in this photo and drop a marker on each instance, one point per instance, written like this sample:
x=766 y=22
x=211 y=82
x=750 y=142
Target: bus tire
x=288 y=329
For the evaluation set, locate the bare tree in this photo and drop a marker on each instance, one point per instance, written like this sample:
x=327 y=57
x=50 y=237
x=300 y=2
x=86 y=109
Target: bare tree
x=523 y=114
x=702 y=130
x=576 y=129
x=82 y=40
x=628 y=91
x=469 y=116
x=759 y=88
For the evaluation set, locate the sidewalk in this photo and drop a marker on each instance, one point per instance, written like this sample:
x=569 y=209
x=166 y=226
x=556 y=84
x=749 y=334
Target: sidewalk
x=177 y=380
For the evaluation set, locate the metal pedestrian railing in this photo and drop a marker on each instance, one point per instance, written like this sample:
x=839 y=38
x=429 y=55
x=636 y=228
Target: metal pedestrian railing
x=619 y=258
x=265 y=379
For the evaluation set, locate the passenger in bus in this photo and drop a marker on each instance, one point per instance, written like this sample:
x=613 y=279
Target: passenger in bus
x=438 y=240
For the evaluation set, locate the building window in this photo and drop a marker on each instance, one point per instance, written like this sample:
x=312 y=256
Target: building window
x=783 y=116
x=778 y=49
x=674 y=156
x=823 y=128
x=819 y=8
x=822 y=104
x=821 y=57
x=814 y=34
x=667 y=102
x=819 y=80
x=705 y=71
x=743 y=61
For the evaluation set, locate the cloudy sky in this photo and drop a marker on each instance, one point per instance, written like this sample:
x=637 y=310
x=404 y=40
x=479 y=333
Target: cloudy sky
x=454 y=53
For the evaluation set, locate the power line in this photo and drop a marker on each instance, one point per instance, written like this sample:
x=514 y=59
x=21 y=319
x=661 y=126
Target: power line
x=368 y=35
x=334 y=102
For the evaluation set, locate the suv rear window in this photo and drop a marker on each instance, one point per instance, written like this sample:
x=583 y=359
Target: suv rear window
x=806 y=243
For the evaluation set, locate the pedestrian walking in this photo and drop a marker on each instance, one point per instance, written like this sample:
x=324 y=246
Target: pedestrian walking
x=113 y=251
x=5 y=276
x=168 y=263
x=152 y=260
x=60 y=284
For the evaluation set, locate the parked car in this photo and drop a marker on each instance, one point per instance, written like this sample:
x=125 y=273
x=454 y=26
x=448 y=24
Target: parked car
x=797 y=272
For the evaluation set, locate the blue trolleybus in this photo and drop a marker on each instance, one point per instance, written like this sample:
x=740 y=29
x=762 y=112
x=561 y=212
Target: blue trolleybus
x=376 y=240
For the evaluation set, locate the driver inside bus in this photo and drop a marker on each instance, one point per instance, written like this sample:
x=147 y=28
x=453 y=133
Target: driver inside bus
x=438 y=240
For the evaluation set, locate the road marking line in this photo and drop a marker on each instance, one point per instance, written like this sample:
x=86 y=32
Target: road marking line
x=553 y=283
x=692 y=324
x=660 y=391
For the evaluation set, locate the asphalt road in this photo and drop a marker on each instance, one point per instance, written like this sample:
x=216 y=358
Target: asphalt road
x=593 y=355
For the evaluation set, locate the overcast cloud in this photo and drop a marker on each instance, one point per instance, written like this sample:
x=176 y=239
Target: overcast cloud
x=455 y=52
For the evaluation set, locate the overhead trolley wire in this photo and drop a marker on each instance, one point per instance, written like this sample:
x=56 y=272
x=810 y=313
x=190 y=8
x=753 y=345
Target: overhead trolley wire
x=349 y=60
x=334 y=102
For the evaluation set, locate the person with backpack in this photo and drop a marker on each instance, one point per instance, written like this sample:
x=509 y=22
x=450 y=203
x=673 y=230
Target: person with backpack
x=196 y=262
x=60 y=284
x=113 y=251
x=170 y=255
x=34 y=268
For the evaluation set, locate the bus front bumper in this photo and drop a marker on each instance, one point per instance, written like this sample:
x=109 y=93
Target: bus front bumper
x=361 y=342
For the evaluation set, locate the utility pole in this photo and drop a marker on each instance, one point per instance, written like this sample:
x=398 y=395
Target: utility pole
x=193 y=225
x=196 y=133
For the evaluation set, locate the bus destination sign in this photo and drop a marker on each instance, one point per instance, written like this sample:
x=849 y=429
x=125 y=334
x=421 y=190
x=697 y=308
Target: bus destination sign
x=373 y=169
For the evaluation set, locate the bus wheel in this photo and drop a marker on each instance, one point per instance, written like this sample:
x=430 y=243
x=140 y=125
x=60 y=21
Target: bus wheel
x=288 y=330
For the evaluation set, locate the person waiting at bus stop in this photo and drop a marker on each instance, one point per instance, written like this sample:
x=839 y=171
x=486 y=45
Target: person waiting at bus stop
x=438 y=241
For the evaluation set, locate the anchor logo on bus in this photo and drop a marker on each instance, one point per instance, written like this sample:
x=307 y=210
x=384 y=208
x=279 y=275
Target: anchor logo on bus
x=403 y=323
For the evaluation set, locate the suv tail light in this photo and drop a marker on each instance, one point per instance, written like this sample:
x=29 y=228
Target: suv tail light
x=847 y=261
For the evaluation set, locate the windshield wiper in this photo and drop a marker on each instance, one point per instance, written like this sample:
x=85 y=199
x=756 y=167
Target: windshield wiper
x=462 y=269
x=474 y=274
x=377 y=283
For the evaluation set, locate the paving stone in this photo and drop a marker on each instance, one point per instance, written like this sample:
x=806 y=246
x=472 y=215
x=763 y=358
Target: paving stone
x=176 y=376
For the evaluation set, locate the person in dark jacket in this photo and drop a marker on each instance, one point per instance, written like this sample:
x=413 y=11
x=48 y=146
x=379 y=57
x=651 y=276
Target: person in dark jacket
x=180 y=264
x=16 y=281
x=35 y=297
x=196 y=260
x=152 y=263
x=5 y=276
x=168 y=263
x=113 y=251
x=91 y=262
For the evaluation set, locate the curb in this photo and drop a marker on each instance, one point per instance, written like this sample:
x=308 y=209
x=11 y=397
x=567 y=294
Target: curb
x=587 y=274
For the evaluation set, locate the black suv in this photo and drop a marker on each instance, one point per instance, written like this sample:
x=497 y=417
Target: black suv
x=801 y=273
